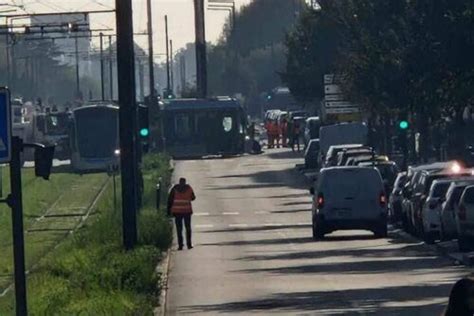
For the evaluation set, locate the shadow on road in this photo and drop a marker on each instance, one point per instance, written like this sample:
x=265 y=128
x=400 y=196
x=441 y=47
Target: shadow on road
x=375 y=301
x=256 y=229
x=261 y=242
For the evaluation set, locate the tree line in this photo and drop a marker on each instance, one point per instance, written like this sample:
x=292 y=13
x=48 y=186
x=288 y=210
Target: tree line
x=399 y=59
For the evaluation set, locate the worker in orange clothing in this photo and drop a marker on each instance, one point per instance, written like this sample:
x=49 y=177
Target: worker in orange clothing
x=284 y=132
x=277 y=133
x=179 y=205
x=268 y=128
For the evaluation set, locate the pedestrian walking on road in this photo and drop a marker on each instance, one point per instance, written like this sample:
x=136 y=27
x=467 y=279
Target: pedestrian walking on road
x=180 y=206
x=461 y=299
x=295 y=136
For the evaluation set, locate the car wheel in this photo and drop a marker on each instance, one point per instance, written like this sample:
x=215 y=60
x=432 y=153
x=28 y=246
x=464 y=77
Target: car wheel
x=318 y=232
x=381 y=231
x=429 y=238
x=463 y=244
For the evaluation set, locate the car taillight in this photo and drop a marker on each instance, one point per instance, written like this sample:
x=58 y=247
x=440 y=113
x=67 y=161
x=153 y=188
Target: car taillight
x=462 y=212
x=382 y=199
x=320 y=201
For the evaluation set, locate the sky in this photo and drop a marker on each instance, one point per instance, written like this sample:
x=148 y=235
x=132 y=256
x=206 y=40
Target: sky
x=180 y=18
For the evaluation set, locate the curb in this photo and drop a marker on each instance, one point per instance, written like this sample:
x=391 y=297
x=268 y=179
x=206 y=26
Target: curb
x=463 y=259
x=163 y=269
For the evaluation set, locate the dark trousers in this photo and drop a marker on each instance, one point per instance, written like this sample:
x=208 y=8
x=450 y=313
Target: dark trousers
x=179 y=228
x=295 y=141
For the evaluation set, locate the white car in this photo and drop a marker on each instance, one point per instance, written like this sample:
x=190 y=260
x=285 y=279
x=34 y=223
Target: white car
x=349 y=198
x=447 y=217
x=432 y=209
x=464 y=215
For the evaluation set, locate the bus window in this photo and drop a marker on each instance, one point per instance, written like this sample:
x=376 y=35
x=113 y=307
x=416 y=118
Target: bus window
x=227 y=123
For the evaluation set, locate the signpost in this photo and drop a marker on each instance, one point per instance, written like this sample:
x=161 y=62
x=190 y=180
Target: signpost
x=5 y=126
x=336 y=106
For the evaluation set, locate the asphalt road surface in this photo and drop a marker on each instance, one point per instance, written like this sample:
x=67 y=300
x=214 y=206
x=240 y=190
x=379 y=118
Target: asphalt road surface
x=254 y=253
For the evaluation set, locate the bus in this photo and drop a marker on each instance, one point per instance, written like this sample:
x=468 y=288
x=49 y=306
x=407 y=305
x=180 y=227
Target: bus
x=196 y=128
x=94 y=137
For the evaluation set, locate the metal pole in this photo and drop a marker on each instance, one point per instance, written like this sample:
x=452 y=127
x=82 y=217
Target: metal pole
x=127 y=118
x=111 y=73
x=141 y=80
x=168 y=79
x=150 y=51
x=102 y=89
x=171 y=66
x=201 y=58
x=78 y=85
x=16 y=204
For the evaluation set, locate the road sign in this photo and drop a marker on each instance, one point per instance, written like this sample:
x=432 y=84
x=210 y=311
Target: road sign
x=339 y=104
x=5 y=126
x=332 y=89
x=335 y=97
x=342 y=110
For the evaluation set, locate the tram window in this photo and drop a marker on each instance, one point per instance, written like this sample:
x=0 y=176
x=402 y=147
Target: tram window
x=227 y=123
x=182 y=127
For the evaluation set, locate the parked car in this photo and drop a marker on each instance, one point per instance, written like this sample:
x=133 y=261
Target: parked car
x=421 y=193
x=465 y=219
x=355 y=161
x=330 y=159
x=396 y=198
x=388 y=170
x=345 y=154
x=311 y=155
x=311 y=130
x=341 y=202
x=447 y=215
x=343 y=133
x=432 y=209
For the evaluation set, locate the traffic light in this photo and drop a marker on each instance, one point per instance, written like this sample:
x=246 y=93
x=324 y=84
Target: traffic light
x=143 y=126
x=403 y=125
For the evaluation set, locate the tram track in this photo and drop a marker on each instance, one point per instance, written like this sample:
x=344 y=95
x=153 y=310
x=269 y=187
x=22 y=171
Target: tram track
x=63 y=233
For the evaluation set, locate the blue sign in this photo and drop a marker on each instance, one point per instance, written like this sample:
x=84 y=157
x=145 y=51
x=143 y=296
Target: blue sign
x=5 y=126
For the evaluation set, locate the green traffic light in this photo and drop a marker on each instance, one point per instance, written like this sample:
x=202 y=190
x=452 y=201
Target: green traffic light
x=144 y=132
x=403 y=125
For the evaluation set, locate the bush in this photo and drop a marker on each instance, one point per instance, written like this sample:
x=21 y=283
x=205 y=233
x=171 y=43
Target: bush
x=91 y=274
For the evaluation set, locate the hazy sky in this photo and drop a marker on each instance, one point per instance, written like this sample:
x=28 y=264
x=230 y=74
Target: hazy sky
x=180 y=17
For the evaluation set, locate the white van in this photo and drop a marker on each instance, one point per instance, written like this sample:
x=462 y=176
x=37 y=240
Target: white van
x=349 y=198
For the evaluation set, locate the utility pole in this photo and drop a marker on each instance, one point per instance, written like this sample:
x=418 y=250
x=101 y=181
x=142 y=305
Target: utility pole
x=78 y=85
x=141 y=80
x=16 y=204
x=150 y=51
x=111 y=72
x=201 y=54
x=182 y=66
x=102 y=89
x=127 y=113
x=168 y=79
x=171 y=66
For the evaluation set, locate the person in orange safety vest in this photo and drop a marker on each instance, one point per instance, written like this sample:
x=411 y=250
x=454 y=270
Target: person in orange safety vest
x=179 y=205
x=284 y=132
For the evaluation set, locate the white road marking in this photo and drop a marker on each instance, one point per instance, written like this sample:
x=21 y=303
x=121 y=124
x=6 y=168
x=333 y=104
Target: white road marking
x=304 y=224
x=201 y=214
x=230 y=213
x=238 y=225
x=204 y=226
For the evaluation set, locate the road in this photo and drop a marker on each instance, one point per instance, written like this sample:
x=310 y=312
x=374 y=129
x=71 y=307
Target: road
x=254 y=253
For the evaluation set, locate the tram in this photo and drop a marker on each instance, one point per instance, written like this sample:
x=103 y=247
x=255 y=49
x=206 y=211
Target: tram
x=94 y=137
x=196 y=128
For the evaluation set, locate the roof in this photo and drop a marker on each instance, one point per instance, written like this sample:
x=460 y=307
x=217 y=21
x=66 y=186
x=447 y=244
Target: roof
x=200 y=104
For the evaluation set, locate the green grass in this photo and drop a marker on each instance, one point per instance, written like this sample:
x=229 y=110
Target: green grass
x=91 y=274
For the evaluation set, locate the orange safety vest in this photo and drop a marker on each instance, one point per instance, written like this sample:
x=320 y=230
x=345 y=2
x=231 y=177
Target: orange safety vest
x=182 y=202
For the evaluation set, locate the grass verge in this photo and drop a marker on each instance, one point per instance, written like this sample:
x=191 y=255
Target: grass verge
x=90 y=273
